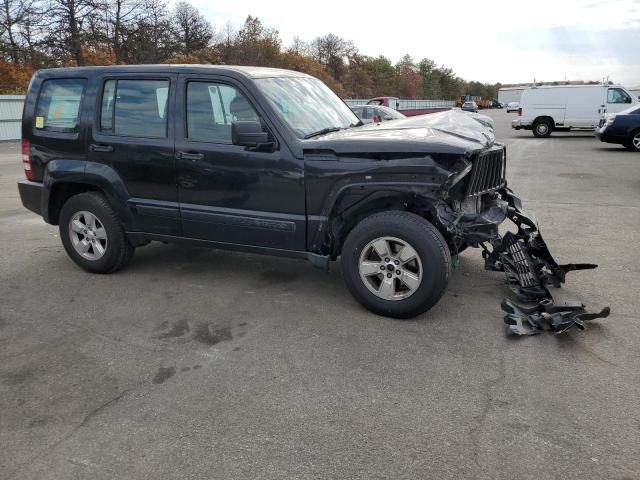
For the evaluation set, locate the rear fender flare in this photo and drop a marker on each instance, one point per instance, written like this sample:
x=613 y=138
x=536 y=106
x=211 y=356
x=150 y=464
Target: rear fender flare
x=98 y=176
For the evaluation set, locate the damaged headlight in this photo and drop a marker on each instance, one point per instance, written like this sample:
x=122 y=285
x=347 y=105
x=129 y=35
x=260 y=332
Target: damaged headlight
x=470 y=205
x=461 y=170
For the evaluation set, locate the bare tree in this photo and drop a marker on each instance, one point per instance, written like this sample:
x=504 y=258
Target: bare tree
x=13 y=15
x=298 y=46
x=152 y=40
x=67 y=31
x=193 y=31
x=333 y=52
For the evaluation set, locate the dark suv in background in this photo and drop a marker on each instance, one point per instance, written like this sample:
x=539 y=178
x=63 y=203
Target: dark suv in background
x=266 y=161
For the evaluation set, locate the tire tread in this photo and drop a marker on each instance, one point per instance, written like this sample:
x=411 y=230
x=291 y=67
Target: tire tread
x=401 y=218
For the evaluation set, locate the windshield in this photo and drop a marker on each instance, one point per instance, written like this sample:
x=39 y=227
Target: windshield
x=306 y=104
x=391 y=113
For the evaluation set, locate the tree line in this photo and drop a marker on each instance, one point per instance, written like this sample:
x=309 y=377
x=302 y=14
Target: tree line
x=55 y=33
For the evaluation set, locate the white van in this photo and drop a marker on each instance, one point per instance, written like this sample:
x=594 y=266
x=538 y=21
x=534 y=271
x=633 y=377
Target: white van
x=569 y=107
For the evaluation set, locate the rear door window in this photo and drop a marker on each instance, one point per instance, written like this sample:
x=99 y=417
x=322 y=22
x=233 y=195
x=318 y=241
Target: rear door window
x=58 y=108
x=135 y=108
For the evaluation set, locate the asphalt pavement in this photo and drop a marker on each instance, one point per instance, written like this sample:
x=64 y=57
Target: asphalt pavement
x=205 y=364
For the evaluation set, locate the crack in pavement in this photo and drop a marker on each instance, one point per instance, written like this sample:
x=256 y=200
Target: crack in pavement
x=87 y=418
x=486 y=408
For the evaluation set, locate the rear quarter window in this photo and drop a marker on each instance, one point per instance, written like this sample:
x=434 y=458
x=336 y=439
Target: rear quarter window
x=58 y=107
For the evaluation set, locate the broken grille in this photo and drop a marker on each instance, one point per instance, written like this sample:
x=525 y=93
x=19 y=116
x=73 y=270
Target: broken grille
x=488 y=172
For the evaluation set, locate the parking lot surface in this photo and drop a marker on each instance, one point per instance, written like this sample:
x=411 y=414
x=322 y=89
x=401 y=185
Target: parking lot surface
x=195 y=363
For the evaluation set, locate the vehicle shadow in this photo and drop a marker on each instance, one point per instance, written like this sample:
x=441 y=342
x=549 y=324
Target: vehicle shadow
x=618 y=149
x=558 y=136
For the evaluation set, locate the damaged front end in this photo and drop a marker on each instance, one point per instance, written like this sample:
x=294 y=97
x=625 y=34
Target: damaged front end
x=477 y=202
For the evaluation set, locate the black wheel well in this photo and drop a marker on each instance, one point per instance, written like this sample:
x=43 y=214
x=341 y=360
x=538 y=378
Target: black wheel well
x=342 y=224
x=545 y=118
x=63 y=191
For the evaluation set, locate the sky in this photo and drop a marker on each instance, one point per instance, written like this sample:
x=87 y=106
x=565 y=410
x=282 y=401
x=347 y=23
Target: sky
x=492 y=41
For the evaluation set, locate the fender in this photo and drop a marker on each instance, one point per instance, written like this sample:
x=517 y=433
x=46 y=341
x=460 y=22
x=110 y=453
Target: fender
x=349 y=201
x=353 y=183
x=97 y=175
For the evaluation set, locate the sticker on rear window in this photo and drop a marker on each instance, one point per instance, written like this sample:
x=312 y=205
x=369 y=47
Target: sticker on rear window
x=39 y=122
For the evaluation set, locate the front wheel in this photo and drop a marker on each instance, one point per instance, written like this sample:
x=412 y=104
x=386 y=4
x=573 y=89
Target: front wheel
x=92 y=234
x=396 y=264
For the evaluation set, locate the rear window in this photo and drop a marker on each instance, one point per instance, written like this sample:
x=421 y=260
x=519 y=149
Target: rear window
x=135 y=108
x=58 y=108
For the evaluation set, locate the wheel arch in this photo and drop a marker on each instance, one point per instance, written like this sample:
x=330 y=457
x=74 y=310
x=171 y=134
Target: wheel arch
x=356 y=204
x=63 y=183
x=544 y=118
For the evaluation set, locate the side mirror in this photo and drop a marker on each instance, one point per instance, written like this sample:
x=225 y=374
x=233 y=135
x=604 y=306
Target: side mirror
x=388 y=117
x=249 y=134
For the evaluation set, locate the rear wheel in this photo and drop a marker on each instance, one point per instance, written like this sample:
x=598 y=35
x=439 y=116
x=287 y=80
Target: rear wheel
x=634 y=142
x=542 y=128
x=92 y=235
x=396 y=264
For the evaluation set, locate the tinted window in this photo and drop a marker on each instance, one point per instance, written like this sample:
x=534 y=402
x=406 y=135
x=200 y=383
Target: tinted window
x=135 y=108
x=58 y=108
x=212 y=108
x=617 y=95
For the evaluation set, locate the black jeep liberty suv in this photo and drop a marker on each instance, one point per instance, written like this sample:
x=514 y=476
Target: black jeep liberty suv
x=270 y=161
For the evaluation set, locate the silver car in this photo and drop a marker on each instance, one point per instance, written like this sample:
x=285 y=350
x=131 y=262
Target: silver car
x=377 y=113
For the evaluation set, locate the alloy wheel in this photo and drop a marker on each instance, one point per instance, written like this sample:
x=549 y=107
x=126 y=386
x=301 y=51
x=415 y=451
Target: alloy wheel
x=88 y=235
x=390 y=268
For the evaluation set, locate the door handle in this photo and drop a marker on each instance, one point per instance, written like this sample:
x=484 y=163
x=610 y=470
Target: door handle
x=94 y=147
x=190 y=156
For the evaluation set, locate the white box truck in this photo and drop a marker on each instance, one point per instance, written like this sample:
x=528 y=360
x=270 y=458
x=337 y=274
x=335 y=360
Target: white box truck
x=569 y=107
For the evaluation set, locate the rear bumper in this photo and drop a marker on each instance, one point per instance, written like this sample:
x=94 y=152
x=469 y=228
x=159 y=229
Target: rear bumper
x=31 y=195
x=517 y=124
x=607 y=137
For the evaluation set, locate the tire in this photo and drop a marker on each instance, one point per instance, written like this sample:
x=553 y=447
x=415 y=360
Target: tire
x=634 y=142
x=391 y=230
x=542 y=128
x=105 y=244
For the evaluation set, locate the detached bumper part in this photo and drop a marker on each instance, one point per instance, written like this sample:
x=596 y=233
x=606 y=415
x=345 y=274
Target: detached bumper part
x=547 y=316
x=530 y=271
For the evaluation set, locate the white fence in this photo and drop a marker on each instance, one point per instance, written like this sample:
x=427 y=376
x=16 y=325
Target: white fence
x=407 y=104
x=11 y=116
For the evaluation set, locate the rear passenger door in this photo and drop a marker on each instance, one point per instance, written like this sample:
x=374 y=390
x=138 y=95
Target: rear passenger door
x=132 y=134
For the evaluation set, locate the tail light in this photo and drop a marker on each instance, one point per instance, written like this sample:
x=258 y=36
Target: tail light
x=520 y=111
x=611 y=117
x=26 y=159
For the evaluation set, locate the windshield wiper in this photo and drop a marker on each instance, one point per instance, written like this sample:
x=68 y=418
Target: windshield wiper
x=323 y=132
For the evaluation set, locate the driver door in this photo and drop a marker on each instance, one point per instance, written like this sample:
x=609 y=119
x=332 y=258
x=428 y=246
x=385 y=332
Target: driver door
x=617 y=100
x=228 y=193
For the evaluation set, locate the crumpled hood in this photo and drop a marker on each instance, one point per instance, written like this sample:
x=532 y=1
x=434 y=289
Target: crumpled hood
x=452 y=131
